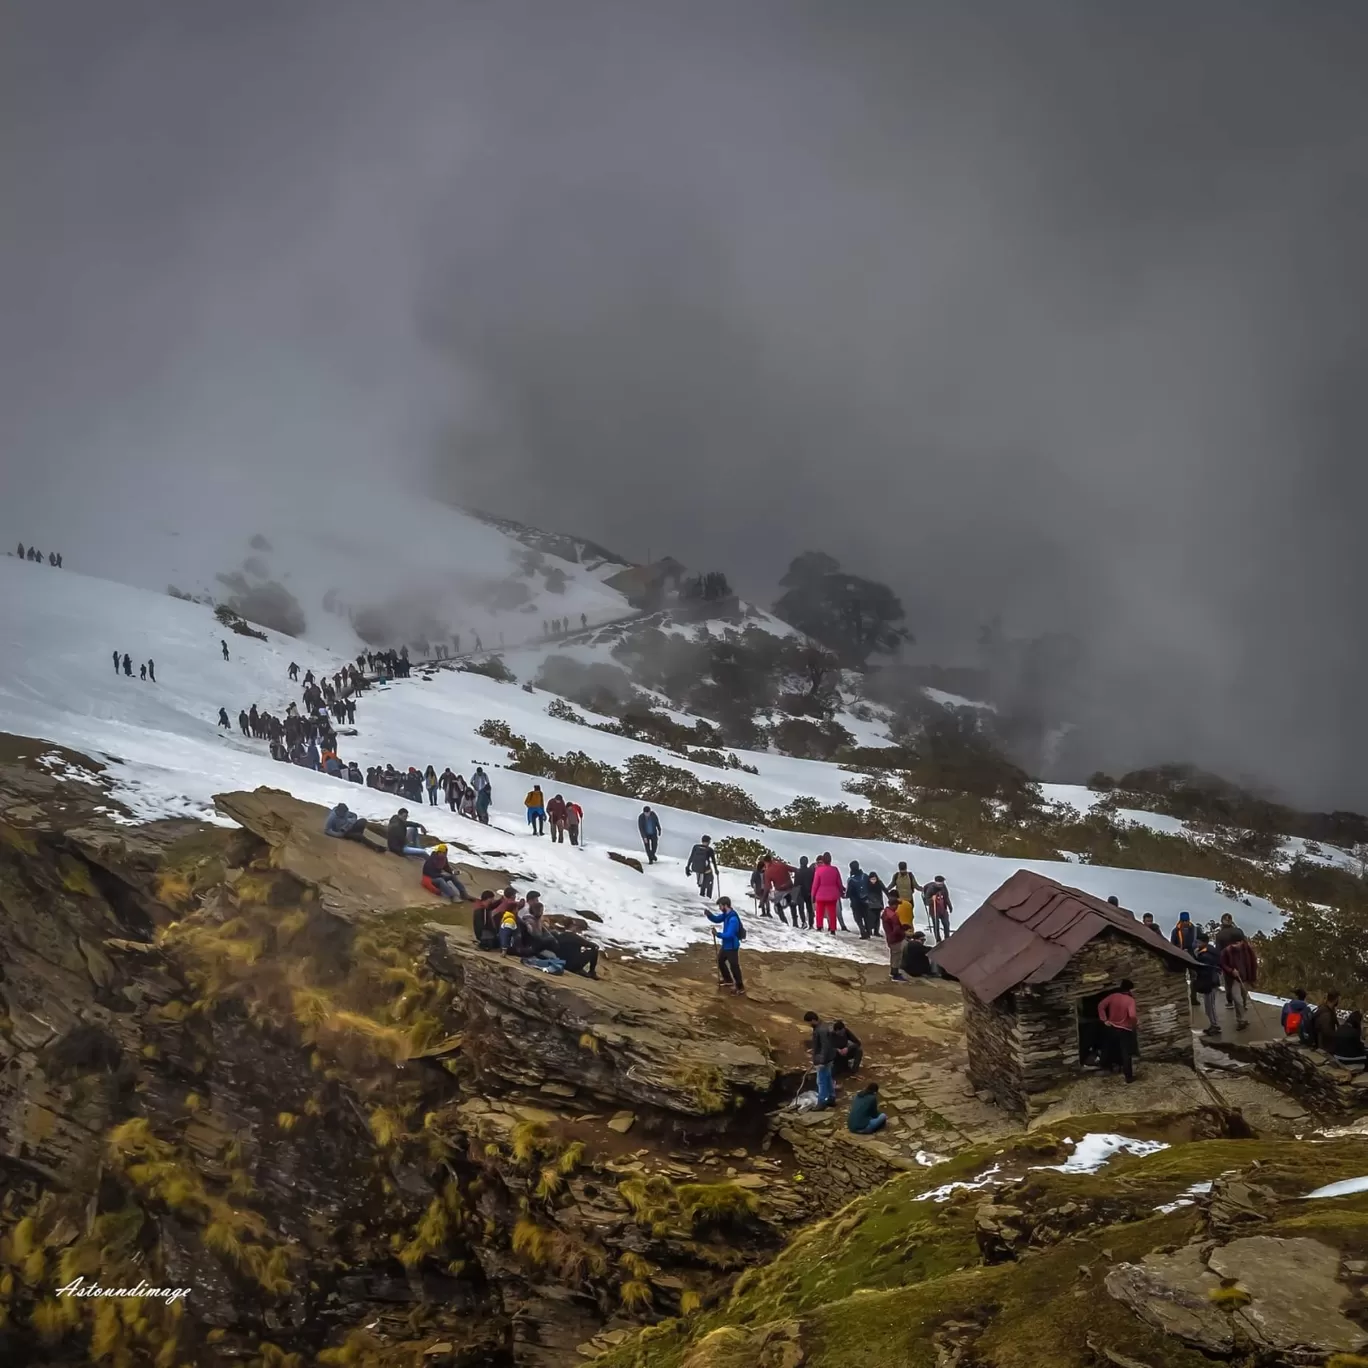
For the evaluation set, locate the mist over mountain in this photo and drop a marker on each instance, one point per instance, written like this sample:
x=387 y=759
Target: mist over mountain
x=1048 y=315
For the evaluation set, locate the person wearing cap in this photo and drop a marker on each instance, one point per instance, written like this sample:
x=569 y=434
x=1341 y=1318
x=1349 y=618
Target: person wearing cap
x=440 y=878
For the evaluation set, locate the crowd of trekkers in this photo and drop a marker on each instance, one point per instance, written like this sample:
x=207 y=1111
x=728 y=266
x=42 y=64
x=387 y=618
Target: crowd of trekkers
x=566 y=817
x=34 y=554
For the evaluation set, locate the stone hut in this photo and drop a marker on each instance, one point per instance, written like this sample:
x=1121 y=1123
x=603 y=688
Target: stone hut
x=1034 y=961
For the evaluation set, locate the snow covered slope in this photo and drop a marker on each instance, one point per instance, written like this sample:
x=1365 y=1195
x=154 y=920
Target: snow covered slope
x=413 y=570
x=58 y=630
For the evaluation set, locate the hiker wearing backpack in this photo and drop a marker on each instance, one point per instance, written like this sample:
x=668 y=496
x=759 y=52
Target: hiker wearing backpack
x=729 y=949
x=1294 y=1012
x=940 y=908
x=703 y=865
x=535 y=803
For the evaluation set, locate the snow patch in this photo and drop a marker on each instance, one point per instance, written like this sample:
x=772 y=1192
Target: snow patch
x=1343 y=1188
x=1097 y=1148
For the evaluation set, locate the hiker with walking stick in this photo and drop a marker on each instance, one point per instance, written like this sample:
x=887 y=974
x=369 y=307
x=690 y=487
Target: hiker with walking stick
x=729 y=956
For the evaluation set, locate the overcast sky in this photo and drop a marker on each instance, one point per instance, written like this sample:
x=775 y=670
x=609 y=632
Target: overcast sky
x=1054 y=311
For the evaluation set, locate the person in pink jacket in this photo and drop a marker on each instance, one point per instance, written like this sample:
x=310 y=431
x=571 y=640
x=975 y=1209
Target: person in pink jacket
x=827 y=888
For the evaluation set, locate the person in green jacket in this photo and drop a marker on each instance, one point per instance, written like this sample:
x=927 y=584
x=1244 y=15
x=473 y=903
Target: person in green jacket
x=864 y=1117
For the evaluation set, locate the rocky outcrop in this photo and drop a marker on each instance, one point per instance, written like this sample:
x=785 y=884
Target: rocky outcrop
x=1284 y=1298
x=353 y=880
x=1311 y=1076
x=618 y=1038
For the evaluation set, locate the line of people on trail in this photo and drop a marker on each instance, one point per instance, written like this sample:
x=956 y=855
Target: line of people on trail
x=561 y=626
x=565 y=817
x=53 y=558
x=124 y=664
x=470 y=798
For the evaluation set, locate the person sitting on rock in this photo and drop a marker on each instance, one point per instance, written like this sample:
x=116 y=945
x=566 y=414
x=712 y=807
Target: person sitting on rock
x=1347 y=1045
x=1324 y=1022
x=579 y=956
x=440 y=878
x=916 y=959
x=485 y=920
x=343 y=823
x=535 y=946
x=864 y=1117
x=401 y=836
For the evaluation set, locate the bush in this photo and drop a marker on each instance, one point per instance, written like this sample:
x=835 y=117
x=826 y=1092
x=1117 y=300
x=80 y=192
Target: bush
x=499 y=732
x=648 y=779
x=810 y=740
x=741 y=852
x=234 y=623
x=563 y=712
x=492 y=667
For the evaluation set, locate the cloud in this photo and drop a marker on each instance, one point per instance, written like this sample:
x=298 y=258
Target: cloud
x=1053 y=312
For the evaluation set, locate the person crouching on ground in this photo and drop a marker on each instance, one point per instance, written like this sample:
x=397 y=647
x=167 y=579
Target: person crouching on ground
x=729 y=949
x=440 y=878
x=864 y=1117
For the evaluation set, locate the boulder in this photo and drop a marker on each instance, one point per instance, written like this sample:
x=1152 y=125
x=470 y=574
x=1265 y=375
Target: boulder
x=630 y=861
x=1296 y=1301
x=352 y=880
x=1171 y=1292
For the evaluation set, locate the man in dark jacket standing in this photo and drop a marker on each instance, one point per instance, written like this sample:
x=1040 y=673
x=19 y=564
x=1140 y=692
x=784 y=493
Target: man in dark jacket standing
x=648 y=827
x=857 y=894
x=1206 y=979
x=703 y=865
x=1240 y=965
x=802 y=893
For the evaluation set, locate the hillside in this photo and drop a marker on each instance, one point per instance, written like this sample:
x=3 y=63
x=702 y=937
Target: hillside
x=165 y=756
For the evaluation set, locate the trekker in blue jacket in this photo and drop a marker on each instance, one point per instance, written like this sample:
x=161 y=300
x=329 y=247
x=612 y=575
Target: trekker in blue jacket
x=729 y=951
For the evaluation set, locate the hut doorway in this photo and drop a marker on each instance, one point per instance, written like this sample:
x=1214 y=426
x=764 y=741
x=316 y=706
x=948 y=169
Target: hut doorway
x=1090 y=1028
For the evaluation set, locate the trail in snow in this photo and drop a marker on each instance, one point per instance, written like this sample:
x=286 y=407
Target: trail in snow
x=58 y=630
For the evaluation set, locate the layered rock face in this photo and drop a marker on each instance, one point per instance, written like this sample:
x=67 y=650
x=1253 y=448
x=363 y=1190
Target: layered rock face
x=257 y=1063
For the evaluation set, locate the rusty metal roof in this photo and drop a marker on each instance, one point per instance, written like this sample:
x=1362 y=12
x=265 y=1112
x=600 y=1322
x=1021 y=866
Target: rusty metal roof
x=1029 y=930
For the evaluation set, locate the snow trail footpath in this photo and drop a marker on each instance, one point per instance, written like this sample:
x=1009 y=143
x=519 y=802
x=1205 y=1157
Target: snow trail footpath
x=167 y=757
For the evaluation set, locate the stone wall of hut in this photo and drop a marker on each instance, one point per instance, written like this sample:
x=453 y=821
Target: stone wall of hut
x=1027 y=1041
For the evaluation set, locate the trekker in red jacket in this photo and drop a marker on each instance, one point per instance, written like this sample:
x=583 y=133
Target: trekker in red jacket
x=1117 y=1014
x=895 y=933
x=556 y=812
x=1241 y=965
x=778 y=885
